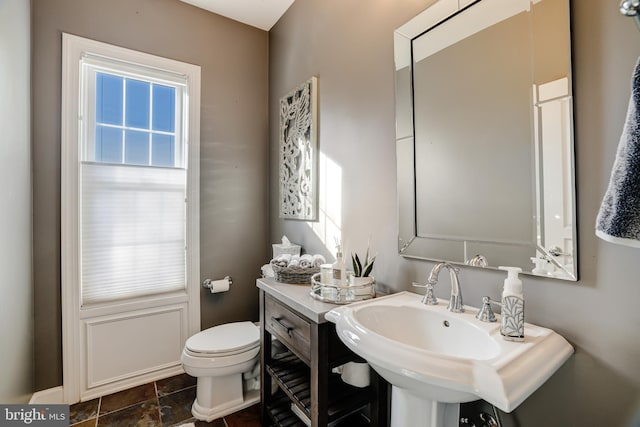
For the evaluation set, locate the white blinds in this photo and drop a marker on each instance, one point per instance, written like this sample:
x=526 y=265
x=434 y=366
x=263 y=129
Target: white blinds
x=133 y=231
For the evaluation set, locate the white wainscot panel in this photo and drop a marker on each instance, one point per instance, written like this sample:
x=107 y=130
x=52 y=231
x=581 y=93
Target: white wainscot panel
x=123 y=346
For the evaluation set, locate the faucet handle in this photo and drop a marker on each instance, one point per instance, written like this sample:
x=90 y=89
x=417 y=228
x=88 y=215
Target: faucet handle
x=429 y=298
x=485 y=314
x=477 y=260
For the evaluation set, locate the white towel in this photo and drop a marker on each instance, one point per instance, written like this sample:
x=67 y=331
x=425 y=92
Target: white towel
x=282 y=261
x=294 y=261
x=317 y=260
x=306 y=261
x=284 y=258
x=619 y=217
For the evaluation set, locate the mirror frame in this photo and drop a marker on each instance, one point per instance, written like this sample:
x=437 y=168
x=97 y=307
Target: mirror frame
x=411 y=245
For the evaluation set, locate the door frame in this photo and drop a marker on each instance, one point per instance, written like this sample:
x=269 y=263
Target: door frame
x=73 y=47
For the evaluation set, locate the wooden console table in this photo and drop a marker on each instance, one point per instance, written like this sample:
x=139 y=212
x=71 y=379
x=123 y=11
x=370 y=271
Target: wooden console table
x=302 y=373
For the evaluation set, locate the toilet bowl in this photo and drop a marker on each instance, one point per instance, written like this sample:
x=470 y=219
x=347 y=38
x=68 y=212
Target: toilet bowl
x=218 y=357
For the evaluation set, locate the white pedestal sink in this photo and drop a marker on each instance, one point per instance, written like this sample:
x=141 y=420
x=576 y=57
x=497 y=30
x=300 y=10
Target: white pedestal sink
x=435 y=359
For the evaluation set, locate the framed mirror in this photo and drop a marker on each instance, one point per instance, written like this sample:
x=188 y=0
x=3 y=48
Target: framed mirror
x=484 y=135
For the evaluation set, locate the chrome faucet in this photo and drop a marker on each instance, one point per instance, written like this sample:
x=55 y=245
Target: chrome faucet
x=455 y=302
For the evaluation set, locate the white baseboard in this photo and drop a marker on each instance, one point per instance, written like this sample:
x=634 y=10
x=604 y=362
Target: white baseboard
x=51 y=396
x=55 y=395
x=127 y=382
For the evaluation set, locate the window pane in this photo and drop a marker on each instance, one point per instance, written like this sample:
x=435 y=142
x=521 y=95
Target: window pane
x=108 y=99
x=164 y=99
x=162 y=150
x=108 y=144
x=136 y=150
x=137 y=104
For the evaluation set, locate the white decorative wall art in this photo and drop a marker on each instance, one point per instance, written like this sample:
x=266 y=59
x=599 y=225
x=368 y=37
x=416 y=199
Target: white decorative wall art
x=299 y=153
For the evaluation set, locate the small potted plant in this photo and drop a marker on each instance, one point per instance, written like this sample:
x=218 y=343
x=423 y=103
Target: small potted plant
x=361 y=270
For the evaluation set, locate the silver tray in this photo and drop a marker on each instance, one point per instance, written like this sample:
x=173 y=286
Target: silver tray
x=337 y=294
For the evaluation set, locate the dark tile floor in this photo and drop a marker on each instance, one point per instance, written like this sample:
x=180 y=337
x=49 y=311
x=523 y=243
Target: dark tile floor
x=161 y=403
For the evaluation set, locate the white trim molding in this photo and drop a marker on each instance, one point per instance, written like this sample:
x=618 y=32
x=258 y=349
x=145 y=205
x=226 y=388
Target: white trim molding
x=50 y=396
x=74 y=51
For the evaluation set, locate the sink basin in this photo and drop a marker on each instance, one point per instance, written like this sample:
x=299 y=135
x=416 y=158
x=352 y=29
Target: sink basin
x=427 y=330
x=429 y=353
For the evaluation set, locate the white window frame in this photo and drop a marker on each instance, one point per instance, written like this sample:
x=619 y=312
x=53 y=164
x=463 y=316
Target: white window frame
x=94 y=64
x=74 y=50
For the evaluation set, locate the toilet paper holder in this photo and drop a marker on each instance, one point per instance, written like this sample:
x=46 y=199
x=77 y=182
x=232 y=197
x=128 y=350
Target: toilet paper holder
x=208 y=283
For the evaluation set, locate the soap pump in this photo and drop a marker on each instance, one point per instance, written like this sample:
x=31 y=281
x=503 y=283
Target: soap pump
x=512 y=328
x=539 y=266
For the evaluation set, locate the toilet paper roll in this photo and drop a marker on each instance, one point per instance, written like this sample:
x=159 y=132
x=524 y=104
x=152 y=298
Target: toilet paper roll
x=217 y=286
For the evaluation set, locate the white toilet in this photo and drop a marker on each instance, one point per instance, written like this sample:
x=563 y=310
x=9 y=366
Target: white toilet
x=219 y=357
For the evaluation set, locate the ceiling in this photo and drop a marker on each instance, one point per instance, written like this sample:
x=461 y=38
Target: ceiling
x=262 y=14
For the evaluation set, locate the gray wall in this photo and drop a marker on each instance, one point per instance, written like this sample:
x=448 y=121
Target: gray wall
x=16 y=286
x=233 y=146
x=349 y=46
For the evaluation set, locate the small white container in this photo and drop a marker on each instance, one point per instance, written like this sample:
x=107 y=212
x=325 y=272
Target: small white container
x=361 y=285
x=326 y=274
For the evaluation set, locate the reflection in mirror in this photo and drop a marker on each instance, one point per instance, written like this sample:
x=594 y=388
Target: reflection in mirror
x=485 y=135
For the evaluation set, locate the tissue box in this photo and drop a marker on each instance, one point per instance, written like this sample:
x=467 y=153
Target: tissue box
x=280 y=249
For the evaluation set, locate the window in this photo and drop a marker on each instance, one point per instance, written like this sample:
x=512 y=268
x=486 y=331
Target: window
x=132 y=180
x=135 y=121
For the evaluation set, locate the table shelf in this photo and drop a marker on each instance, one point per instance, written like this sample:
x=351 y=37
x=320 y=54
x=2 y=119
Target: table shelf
x=293 y=377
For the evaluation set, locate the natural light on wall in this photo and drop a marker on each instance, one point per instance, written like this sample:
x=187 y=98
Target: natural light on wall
x=328 y=228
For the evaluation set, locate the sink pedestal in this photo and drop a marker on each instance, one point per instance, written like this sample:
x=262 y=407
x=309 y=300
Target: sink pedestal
x=410 y=410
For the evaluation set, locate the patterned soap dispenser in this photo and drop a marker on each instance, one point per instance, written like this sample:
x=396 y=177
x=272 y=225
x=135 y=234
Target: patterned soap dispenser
x=512 y=328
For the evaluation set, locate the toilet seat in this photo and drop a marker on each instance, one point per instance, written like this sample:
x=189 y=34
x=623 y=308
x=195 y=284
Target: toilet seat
x=200 y=364
x=224 y=340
